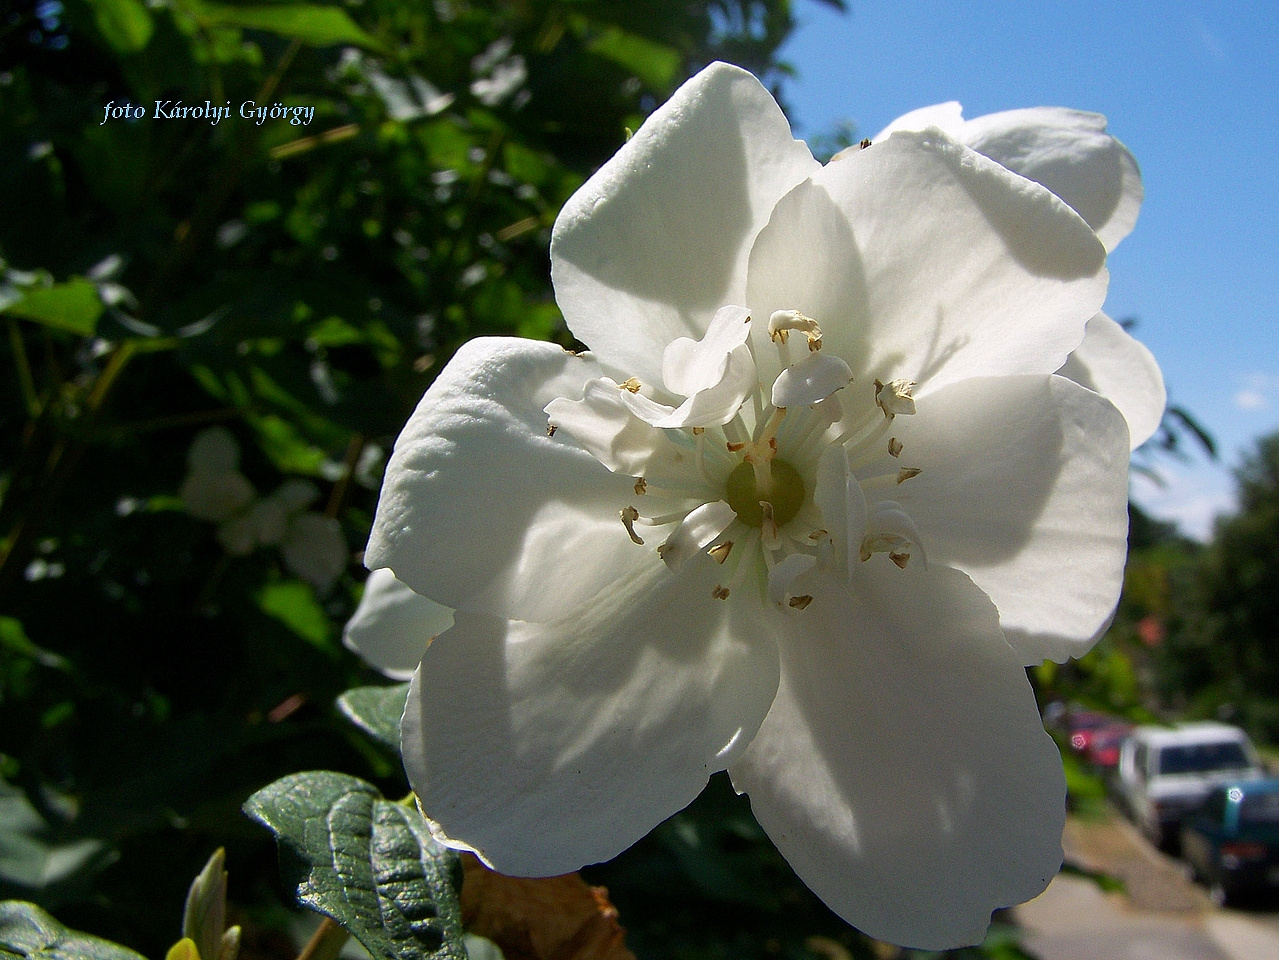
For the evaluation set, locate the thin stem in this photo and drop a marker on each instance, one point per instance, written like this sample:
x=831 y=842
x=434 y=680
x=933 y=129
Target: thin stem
x=326 y=943
x=25 y=380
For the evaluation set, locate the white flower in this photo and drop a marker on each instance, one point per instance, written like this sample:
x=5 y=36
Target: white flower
x=803 y=513
x=1070 y=153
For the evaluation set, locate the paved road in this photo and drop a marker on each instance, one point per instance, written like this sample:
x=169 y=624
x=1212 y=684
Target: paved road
x=1160 y=916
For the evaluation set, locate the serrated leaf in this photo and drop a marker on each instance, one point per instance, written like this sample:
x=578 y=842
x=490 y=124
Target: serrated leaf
x=28 y=932
x=125 y=24
x=74 y=306
x=370 y=864
x=376 y=711
x=314 y=25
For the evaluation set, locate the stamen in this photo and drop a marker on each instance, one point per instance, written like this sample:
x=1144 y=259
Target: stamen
x=721 y=551
x=894 y=447
x=550 y=429
x=901 y=559
x=632 y=385
x=905 y=473
x=800 y=603
x=629 y=515
x=641 y=486
x=720 y=592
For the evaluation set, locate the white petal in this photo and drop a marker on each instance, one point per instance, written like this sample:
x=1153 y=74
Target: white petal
x=1070 y=153
x=657 y=240
x=215 y=496
x=213 y=450
x=696 y=531
x=689 y=366
x=481 y=510
x=295 y=495
x=903 y=770
x=393 y=626
x=1122 y=370
x=810 y=381
x=603 y=424
x=238 y=535
x=925 y=261
x=1025 y=488
x=315 y=550
x=710 y=407
x=268 y=519
x=544 y=747
x=948 y=117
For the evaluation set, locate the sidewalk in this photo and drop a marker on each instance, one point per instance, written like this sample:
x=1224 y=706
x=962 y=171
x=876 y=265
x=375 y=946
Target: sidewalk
x=1162 y=916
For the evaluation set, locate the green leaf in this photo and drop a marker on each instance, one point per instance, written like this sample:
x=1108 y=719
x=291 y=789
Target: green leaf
x=376 y=711
x=204 y=917
x=26 y=859
x=293 y=603
x=26 y=931
x=313 y=25
x=656 y=64
x=125 y=24
x=370 y=864
x=74 y=306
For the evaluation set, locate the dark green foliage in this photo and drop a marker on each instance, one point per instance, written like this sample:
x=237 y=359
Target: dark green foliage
x=27 y=932
x=376 y=711
x=297 y=285
x=369 y=864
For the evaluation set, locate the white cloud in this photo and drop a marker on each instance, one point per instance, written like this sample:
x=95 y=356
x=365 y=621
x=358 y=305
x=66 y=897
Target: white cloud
x=1251 y=400
x=1192 y=495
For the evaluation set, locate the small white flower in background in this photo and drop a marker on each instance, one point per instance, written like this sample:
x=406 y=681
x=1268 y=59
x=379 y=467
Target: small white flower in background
x=804 y=512
x=311 y=544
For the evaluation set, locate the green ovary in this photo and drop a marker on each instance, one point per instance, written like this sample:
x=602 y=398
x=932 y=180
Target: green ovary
x=785 y=493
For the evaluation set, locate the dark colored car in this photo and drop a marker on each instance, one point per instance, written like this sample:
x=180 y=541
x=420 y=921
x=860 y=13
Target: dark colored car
x=1232 y=842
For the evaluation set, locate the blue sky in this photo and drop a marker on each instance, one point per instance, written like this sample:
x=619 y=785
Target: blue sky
x=1193 y=90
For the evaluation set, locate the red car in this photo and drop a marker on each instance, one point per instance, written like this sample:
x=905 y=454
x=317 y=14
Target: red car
x=1102 y=747
x=1082 y=725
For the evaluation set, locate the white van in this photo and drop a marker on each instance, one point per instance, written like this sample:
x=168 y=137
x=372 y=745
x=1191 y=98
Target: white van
x=1165 y=772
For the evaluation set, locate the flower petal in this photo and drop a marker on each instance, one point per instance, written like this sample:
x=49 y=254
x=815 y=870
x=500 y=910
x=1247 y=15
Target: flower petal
x=393 y=626
x=689 y=366
x=696 y=531
x=1024 y=487
x=810 y=381
x=903 y=770
x=543 y=747
x=1122 y=370
x=481 y=510
x=1068 y=151
x=657 y=240
x=925 y=261
x=713 y=406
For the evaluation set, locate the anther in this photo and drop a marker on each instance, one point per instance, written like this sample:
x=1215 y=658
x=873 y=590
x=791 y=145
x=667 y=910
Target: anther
x=894 y=447
x=550 y=429
x=633 y=385
x=734 y=447
x=641 y=487
x=629 y=515
x=720 y=551
x=783 y=321
x=905 y=473
x=901 y=559
x=894 y=397
x=800 y=603
x=698 y=431
x=720 y=592
x=818 y=534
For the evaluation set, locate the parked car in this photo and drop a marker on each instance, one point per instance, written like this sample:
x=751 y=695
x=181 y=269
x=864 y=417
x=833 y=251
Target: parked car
x=1166 y=773
x=1082 y=724
x=1232 y=842
x=1102 y=749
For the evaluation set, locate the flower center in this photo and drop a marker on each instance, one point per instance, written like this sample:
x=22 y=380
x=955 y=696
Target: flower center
x=784 y=490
